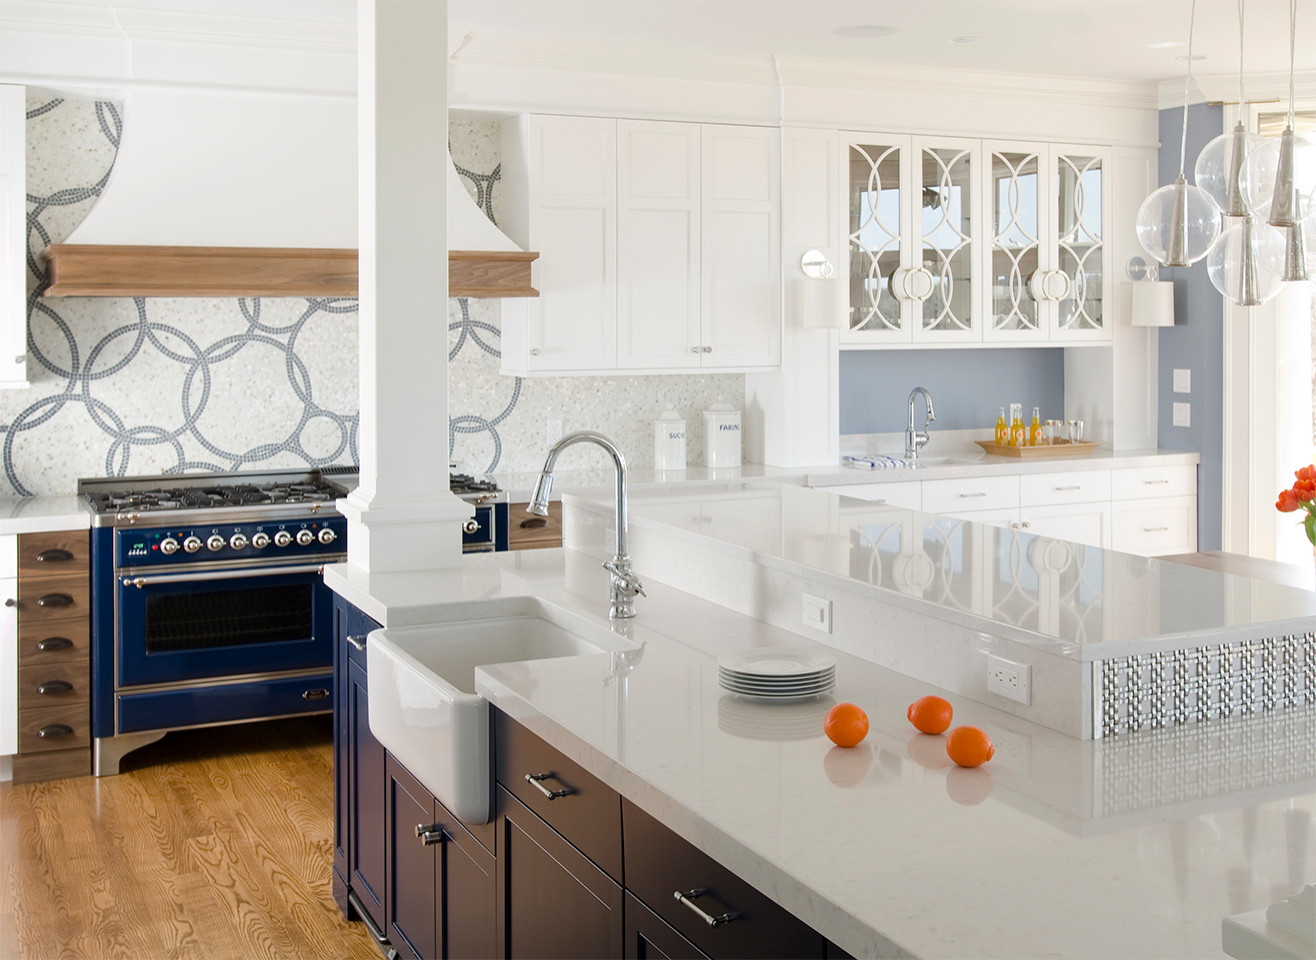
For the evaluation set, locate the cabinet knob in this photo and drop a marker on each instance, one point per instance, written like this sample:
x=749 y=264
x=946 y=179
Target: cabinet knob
x=11 y=602
x=315 y=693
x=54 y=555
x=707 y=349
x=534 y=352
x=471 y=526
x=53 y=730
x=694 y=349
x=50 y=644
x=429 y=835
x=55 y=600
x=53 y=688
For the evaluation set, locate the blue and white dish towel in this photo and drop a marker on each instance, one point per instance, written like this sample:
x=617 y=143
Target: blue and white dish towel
x=874 y=462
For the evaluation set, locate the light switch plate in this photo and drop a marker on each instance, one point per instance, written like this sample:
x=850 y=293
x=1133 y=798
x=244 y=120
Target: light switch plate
x=1182 y=415
x=1183 y=381
x=553 y=430
x=816 y=612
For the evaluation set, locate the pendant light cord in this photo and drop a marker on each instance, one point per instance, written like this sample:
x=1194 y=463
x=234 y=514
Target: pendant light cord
x=1187 y=82
x=1242 y=101
x=1293 y=33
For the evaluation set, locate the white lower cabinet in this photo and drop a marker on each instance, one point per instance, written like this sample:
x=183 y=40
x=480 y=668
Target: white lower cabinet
x=1087 y=523
x=971 y=494
x=1156 y=527
x=906 y=493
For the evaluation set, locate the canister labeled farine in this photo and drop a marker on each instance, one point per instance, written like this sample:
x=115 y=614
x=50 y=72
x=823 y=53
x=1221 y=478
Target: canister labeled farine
x=721 y=436
x=669 y=441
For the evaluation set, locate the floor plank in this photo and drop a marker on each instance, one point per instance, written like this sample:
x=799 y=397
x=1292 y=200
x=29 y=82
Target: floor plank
x=211 y=844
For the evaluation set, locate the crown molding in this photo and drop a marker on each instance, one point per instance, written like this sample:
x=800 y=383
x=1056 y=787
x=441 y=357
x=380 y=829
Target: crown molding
x=1223 y=87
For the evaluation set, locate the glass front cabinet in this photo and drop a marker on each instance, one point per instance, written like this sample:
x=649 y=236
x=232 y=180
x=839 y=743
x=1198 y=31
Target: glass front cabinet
x=958 y=241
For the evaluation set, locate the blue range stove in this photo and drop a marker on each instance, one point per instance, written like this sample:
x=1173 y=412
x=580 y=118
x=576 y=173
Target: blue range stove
x=208 y=604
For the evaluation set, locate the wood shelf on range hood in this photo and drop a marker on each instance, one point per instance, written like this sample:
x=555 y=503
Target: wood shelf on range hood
x=111 y=270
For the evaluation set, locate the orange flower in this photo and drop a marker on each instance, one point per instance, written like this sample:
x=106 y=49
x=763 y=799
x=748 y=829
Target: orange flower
x=1306 y=473
x=1287 y=502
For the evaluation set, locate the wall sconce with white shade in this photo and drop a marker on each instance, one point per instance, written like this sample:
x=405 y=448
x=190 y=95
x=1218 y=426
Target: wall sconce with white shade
x=821 y=299
x=1153 y=300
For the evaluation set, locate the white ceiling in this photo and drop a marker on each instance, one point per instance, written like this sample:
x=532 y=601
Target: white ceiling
x=1134 y=40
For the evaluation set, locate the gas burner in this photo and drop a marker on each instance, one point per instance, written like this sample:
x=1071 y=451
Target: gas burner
x=464 y=483
x=210 y=493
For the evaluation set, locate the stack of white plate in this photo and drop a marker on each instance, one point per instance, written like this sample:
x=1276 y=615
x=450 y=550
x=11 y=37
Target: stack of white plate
x=776 y=673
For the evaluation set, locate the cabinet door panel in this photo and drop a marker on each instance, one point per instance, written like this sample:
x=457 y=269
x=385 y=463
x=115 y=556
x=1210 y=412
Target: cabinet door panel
x=948 y=205
x=877 y=211
x=414 y=901
x=470 y=897
x=554 y=902
x=577 y=309
x=1078 y=522
x=366 y=775
x=1019 y=240
x=649 y=937
x=1082 y=224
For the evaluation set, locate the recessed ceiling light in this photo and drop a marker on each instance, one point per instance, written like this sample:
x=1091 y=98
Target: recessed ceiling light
x=1195 y=56
x=964 y=39
x=866 y=30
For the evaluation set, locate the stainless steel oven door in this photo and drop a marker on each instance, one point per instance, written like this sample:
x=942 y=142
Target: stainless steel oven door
x=182 y=626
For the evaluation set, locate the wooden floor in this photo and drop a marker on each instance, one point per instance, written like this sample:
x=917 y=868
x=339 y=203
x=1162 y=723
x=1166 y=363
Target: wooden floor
x=213 y=843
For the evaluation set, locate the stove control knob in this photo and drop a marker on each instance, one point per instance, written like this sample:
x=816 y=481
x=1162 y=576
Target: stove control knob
x=216 y=543
x=192 y=544
x=237 y=541
x=282 y=538
x=261 y=540
x=305 y=537
x=327 y=536
x=168 y=546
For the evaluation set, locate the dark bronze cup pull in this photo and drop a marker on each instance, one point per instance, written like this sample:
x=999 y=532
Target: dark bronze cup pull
x=54 y=555
x=55 y=600
x=54 y=643
x=52 y=687
x=55 y=730
x=316 y=693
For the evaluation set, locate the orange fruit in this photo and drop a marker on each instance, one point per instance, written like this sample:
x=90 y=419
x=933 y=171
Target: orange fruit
x=969 y=746
x=846 y=725
x=930 y=714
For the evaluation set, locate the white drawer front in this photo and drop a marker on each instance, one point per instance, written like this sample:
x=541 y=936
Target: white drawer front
x=1007 y=517
x=977 y=493
x=8 y=555
x=1140 y=483
x=906 y=493
x=1156 y=527
x=1055 y=489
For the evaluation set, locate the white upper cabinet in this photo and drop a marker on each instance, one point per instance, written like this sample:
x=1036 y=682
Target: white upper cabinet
x=659 y=245
x=912 y=206
x=13 y=236
x=1045 y=256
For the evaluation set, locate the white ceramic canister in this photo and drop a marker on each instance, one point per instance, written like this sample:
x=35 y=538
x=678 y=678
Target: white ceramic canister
x=669 y=441
x=721 y=436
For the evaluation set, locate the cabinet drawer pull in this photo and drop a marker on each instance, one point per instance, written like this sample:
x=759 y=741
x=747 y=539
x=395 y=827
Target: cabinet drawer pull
x=980 y=493
x=429 y=835
x=315 y=693
x=534 y=780
x=54 y=555
x=11 y=602
x=358 y=643
x=1154 y=529
x=53 y=687
x=54 y=643
x=1072 y=486
x=55 y=730
x=1152 y=483
x=55 y=600
x=689 y=897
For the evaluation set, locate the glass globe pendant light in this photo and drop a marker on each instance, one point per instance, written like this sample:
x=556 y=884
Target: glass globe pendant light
x=1236 y=269
x=1177 y=224
x=1220 y=164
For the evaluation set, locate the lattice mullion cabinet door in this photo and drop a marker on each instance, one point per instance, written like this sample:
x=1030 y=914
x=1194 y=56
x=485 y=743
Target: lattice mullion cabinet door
x=948 y=229
x=1083 y=228
x=877 y=218
x=1018 y=252
x=658 y=252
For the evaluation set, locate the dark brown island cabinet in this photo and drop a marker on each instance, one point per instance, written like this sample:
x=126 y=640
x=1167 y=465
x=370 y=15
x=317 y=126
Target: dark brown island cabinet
x=567 y=867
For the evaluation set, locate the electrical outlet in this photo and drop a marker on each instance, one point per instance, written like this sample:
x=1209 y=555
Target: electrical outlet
x=816 y=612
x=1011 y=680
x=1182 y=416
x=1183 y=381
x=554 y=430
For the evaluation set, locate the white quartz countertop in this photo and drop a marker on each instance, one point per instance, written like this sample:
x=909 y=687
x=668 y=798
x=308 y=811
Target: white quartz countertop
x=1075 y=601
x=1133 y=847
x=42 y=514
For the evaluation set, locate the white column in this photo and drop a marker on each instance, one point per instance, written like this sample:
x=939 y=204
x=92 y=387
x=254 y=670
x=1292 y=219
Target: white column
x=402 y=516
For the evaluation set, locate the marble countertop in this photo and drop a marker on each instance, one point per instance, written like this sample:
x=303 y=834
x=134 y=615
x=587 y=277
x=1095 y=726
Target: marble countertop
x=1079 y=602
x=1133 y=847
x=42 y=514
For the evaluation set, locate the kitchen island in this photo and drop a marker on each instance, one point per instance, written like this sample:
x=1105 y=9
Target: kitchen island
x=1134 y=846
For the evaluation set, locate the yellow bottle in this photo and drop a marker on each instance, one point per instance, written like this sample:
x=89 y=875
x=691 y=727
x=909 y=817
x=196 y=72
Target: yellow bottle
x=1018 y=435
x=1002 y=429
x=1035 y=430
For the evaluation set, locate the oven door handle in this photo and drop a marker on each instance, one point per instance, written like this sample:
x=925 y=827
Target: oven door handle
x=140 y=582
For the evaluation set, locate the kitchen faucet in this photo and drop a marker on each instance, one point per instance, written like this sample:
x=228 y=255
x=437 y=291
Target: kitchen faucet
x=917 y=438
x=625 y=585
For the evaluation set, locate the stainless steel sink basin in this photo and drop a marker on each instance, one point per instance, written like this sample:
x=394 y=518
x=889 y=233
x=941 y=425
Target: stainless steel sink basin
x=423 y=704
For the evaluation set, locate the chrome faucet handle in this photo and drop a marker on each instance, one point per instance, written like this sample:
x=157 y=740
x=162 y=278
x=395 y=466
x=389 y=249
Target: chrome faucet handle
x=625 y=587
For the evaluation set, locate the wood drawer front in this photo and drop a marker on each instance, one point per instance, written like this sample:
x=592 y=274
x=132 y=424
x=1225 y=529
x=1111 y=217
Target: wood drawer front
x=45 y=642
x=75 y=716
x=659 y=864
x=31 y=592
x=525 y=532
x=1141 y=483
x=1156 y=527
x=1056 y=489
x=53 y=677
x=589 y=817
x=975 y=493
x=904 y=493
x=43 y=554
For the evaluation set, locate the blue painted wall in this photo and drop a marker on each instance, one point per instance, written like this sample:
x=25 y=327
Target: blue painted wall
x=966 y=386
x=1197 y=339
